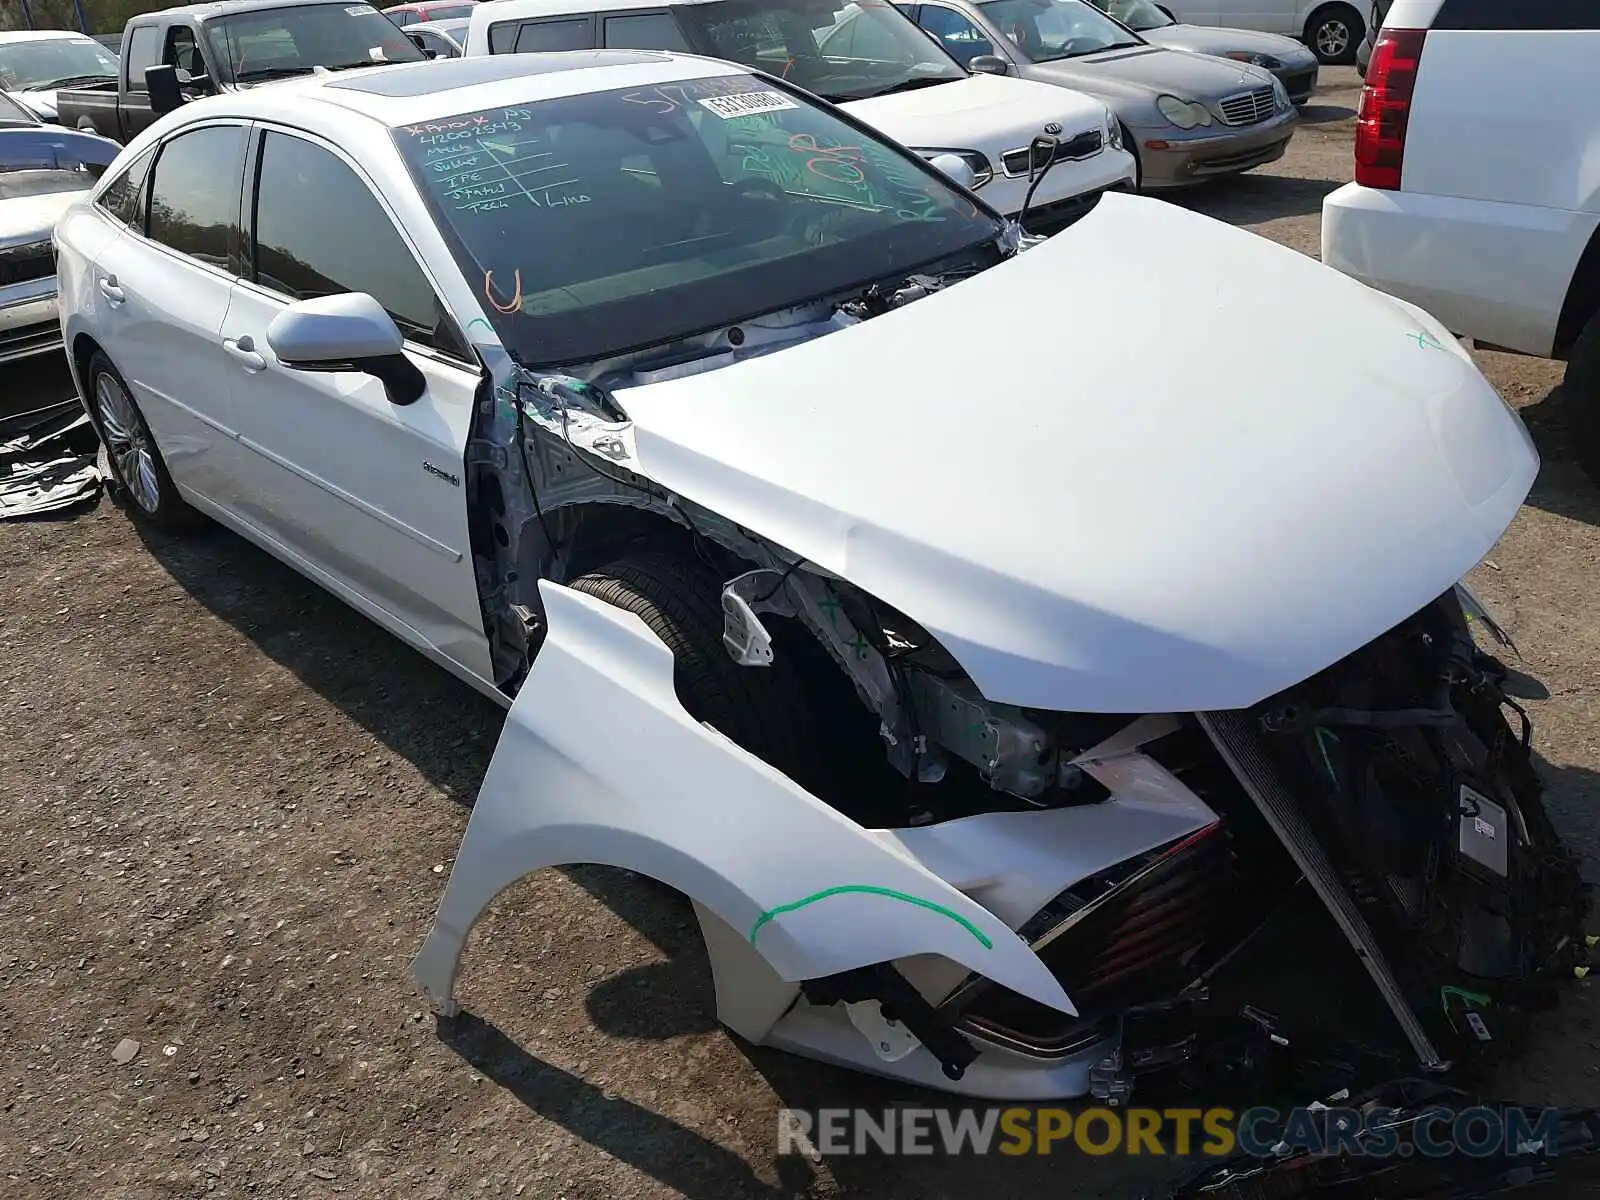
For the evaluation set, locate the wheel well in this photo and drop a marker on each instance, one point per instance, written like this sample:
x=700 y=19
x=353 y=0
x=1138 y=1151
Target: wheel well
x=83 y=349
x=1583 y=297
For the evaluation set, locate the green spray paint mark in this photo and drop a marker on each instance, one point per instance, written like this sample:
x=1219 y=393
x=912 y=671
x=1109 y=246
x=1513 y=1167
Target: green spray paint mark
x=479 y=321
x=1323 y=738
x=1472 y=999
x=1425 y=340
x=868 y=890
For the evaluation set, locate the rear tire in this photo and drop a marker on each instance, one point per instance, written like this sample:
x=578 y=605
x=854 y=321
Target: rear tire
x=136 y=474
x=1581 y=394
x=765 y=710
x=1334 y=34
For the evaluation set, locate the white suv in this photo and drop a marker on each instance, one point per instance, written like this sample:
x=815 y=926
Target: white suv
x=1477 y=189
x=878 y=66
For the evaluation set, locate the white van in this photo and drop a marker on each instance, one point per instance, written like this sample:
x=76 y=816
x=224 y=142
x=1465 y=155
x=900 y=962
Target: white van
x=1332 y=28
x=1477 y=188
x=875 y=63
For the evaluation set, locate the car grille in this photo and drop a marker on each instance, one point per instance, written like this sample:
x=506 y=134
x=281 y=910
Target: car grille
x=1248 y=108
x=20 y=264
x=1085 y=145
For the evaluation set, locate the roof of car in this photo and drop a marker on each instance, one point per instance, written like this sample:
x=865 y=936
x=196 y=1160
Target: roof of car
x=413 y=93
x=224 y=8
x=449 y=25
x=35 y=35
x=500 y=10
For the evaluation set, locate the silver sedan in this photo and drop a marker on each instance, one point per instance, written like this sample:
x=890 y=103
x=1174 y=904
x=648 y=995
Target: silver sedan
x=1293 y=63
x=1187 y=117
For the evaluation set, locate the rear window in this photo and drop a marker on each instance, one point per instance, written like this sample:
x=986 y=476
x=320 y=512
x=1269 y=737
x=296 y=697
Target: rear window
x=611 y=221
x=1518 y=14
x=274 y=42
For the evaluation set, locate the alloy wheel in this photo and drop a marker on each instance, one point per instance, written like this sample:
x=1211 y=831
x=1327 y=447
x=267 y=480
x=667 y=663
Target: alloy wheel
x=127 y=443
x=1332 y=37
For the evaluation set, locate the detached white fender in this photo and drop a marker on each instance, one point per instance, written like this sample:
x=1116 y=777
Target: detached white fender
x=599 y=763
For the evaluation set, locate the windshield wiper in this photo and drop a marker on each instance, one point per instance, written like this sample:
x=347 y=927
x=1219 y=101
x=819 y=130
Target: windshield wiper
x=905 y=85
x=367 y=62
x=66 y=81
x=273 y=73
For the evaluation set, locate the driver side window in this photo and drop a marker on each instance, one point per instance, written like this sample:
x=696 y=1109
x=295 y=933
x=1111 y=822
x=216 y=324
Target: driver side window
x=352 y=247
x=182 y=52
x=962 y=40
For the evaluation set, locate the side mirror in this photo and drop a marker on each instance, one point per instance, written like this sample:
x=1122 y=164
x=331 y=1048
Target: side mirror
x=426 y=53
x=958 y=169
x=988 y=64
x=351 y=332
x=166 y=94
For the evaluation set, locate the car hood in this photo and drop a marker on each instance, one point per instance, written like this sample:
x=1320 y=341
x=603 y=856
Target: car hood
x=1117 y=473
x=1202 y=39
x=982 y=112
x=1153 y=70
x=31 y=201
x=42 y=104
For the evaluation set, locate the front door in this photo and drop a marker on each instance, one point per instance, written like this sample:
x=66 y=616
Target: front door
x=366 y=492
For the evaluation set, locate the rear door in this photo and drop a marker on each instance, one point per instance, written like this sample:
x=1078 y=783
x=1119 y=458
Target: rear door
x=162 y=290
x=1507 y=102
x=365 y=493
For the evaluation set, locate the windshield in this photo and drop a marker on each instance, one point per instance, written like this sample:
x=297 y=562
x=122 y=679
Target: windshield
x=1048 y=30
x=837 y=51
x=611 y=221
x=291 y=41
x=12 y=113
x=48 y=62
x=453 y=12
x=1138 y=15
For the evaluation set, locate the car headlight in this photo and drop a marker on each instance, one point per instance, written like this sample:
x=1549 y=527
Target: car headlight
x=1113 y=131
x=1280 y=95
x=1185 y=114
x=1255 y=60
x=982 y=168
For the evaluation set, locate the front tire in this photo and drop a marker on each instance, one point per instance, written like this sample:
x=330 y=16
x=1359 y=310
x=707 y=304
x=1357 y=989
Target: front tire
x=765 y=710
x=1580 y=390
x=1334 y=33
x=136 y=474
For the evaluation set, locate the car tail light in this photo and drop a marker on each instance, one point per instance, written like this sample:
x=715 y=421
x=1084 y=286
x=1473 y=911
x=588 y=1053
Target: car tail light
x=1386 y=107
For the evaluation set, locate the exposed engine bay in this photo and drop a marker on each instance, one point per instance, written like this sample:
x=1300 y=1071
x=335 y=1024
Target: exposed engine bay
x=1094 y=877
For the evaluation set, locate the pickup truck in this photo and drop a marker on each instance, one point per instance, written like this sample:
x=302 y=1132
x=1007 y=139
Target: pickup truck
x=181 y=54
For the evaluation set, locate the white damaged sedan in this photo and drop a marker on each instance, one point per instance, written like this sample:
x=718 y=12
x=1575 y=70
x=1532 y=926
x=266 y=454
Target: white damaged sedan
x=973 y=706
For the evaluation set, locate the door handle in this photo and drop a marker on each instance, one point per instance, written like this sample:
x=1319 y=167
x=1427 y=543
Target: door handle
x=110 y=290
x=244 y=349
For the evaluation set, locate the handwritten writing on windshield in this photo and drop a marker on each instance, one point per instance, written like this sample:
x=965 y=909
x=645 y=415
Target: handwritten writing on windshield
x=493 y=162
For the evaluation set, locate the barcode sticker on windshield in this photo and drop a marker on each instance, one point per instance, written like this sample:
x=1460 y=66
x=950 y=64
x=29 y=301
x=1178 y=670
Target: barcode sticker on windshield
x=747 y=104
x=361 y=10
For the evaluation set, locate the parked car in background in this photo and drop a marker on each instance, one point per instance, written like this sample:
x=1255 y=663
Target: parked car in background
x=1186 y=117
x=872 y=61
x=1333 y=29
x=596 y=378
x=204 y=49
x=43 y=169
x=405 y=15
x=1380 y=9
x=35 y=63
x=1477 y=181
x=440 y=39
x=1293 y=64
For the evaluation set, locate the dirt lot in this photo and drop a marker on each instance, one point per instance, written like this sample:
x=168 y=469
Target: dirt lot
x=228 y=805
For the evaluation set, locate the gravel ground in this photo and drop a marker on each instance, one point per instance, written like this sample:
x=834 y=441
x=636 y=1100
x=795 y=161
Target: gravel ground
x=228 y=805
